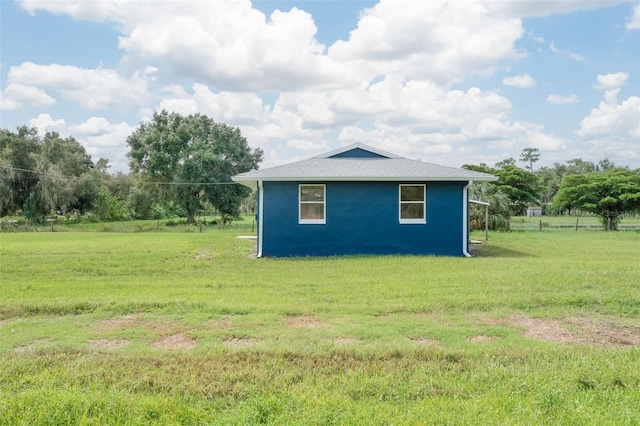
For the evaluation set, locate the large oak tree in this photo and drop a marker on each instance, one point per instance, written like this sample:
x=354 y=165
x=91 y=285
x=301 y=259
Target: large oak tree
x=193 y=158
x=608 y=195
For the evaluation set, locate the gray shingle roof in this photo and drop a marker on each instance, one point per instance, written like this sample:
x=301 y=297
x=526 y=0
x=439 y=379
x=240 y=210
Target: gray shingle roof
x=361 y=169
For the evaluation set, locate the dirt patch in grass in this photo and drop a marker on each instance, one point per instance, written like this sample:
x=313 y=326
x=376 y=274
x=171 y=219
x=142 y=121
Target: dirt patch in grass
x=219 y=324
x=485 y=320
x=483 y=338
x=544 y=329
x=241 y=342
x=426 y=341
x=436 y=318
x=571 y=330
x=346 y=340
x=579 y=330
x=175 y=341
x=108 y=343
x=125 y=321
x=34 y=345
x=205 y=254
x=306 y=321
x=133 y=321
x=604 y=332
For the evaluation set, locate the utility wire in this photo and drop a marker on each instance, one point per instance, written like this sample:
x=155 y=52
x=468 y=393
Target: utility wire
x=104 y=179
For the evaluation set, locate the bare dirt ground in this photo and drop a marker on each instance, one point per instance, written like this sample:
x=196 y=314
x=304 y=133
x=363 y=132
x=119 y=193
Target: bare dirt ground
x=427 y=341
x=572 y=330
x=346 y=340
x=173 y=334
x=108 y=343
x=175 y=341
x=241 y=342
x=36 y=343
x=483 y=338
x=222 y=324
x=307 y=321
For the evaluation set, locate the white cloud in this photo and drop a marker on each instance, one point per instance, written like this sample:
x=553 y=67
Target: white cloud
x=389 y=83
x=307 y=145
x=437 y=125
x=562 y=100
x=231 y=108
x=545 y=8
x=576 y=57
x=104 y=139
x=634 y=20
x=440 y=41
x=16 y=94
x=611 y=84
x=89 y=11
x=613 y=120
x=98 y=136
x=7 y=104
x=228 y=44
x=571 y=55
x=94 y=126
x=521 y=80
x=45 y=123
x=611 y=81
x=91 y=89
x=613 y=128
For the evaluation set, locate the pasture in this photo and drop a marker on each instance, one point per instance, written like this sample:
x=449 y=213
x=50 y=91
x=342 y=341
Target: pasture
x=189 y=328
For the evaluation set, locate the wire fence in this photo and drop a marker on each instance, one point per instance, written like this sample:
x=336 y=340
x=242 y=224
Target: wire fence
x=245 y=225
x=569 y=223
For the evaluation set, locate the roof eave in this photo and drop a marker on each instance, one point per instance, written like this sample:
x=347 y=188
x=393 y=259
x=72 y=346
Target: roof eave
x=251 y=180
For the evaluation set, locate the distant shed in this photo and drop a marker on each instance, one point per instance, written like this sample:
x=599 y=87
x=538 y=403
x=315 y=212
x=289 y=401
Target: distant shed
x=534 y=211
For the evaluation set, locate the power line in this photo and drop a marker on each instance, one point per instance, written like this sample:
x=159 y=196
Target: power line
x=105 y=179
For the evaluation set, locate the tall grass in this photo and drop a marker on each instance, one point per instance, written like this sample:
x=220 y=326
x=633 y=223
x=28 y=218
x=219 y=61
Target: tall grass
x=188 y=328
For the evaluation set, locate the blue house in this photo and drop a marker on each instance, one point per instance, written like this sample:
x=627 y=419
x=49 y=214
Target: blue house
x=362 y=200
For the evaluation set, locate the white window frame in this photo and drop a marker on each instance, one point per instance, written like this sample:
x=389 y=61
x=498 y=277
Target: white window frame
x=322 y=221
x=413 y=221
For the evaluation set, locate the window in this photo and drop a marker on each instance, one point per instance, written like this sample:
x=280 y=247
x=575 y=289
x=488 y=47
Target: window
x=412 y=203
x=312 y=204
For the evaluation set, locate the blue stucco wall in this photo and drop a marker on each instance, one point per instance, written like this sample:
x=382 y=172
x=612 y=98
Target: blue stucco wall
x=362 y=218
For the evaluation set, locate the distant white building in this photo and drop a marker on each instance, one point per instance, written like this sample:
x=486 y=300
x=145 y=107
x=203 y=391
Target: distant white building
x=534 y=211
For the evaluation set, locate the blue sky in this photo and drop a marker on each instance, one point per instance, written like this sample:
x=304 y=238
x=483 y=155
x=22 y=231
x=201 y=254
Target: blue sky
x=445 y=82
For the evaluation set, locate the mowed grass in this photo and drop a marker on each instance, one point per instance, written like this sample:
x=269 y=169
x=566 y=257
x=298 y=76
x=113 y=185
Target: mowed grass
x=188 y=328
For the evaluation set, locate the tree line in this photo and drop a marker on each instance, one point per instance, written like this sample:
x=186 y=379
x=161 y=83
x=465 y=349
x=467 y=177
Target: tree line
x=179 y=165
x=603 y=189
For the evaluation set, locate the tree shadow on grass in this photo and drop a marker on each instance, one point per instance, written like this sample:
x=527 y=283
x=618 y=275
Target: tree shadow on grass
x=489 y=251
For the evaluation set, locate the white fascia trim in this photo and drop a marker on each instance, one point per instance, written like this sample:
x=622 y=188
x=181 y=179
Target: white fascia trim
x=465 y=219
x=260 y=217
x=251 y=181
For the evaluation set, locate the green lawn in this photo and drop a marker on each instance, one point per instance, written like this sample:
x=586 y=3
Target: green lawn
x=188 y=328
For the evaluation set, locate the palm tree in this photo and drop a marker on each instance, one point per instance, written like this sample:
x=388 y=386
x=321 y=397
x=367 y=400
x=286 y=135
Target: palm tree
x=499 y=209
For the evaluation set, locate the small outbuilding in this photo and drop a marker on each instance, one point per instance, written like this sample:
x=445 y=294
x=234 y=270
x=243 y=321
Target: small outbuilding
x=362 y=200
x=534 y=211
